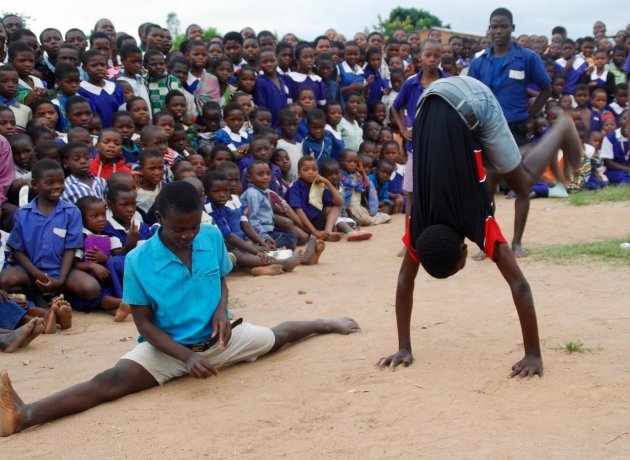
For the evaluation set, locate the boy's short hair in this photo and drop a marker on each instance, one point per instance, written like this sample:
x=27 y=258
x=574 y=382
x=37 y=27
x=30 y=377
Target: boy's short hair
x=258 y=138
x=109 y=130
x=327 y=165
x=232 y=106
x=255 y=163
x=149 y=131
x=210 y=177
x=19 y=47
x=36 y=131
x=364 y=144
x=304 y=159
x=63 y=69
x=282 y=46
x=180 y=197
x=17 y=139
x=43 y=149
x=581 y=87
x=149 y=153
x=7 y=68
x=385 y=162
x=116 y=189
x=90 y=54
x=128 y=50
x=567 y=41
x=345 y=152
x=71 y=147
x=74 y=100
x=439 y=250
x=227 y=165
x=211 y=106
x=115 y=178
x=157 y=116
x=42 y=166
x=85 y=201
x=96 y=36
x=40 y=101
x=151 y=52
x=120 y=114
x=286 y=115
x=315 y=116
x=21 y=33
x=192 y=43
x=621 y=87
x=233 y=36
x=173 y=93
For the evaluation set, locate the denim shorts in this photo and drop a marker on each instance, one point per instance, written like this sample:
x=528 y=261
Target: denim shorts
x=478 y=107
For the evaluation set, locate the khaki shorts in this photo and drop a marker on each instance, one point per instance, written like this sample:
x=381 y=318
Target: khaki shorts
x=248 y=342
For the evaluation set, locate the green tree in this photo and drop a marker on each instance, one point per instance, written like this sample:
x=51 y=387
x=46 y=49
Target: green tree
x=409 y=20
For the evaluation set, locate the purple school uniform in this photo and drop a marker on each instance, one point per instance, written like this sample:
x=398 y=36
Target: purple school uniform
x=45 y=238
x=268 y=95
x=574 y=74
x=297 y=198
x=232 y=140
x=295 y=81
x=114 y=228
x=104 y=101
x=615 y=147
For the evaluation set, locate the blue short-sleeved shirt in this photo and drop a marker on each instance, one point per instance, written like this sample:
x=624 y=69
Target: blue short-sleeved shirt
x=182 y=301
x=45 y=238
x=297 y=198
x=257 y=208
x=268 y=95
x=517 y=70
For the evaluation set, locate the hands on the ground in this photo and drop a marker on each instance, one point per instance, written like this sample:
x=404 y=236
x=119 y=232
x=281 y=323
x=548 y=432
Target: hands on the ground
x=401 y=357
x=529 y=366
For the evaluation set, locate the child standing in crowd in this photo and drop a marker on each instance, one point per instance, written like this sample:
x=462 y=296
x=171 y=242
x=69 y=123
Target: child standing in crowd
x=105 y=97
x=271 y=92
x=109 y=157
x=202 y=85
x=349 y=127
x=233 y=135
x=319 y=143
x=304 y=77
x=159 y=83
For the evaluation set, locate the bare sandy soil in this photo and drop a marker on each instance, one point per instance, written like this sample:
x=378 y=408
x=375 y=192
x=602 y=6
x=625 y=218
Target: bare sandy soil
x=324 y=398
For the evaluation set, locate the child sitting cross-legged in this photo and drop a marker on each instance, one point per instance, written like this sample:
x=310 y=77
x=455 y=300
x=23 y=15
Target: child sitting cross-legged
x=235 y=228
x=96 y=260
x=43 y=241
x=360 y=197
x=260 y=214
x=122 y=224
x=388 y=202
x=315 y=200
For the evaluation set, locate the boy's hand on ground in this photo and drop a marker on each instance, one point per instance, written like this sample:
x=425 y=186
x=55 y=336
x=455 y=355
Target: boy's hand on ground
x=199 y=367
x=402 y=356
x=221 y=327
x=320 y=234
x=271 y=244
x=264 y=257
x=528 y=367
x=96 y=255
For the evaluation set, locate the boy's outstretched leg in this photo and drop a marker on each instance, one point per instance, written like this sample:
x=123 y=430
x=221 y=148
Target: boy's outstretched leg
x=292 y=331
x=124 y=378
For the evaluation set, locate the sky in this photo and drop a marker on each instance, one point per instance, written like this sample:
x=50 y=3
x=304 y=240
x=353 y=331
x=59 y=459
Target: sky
x=313 y=17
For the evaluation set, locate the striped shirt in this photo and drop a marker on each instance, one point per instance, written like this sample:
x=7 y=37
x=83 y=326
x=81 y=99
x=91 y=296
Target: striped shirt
x=75 y=189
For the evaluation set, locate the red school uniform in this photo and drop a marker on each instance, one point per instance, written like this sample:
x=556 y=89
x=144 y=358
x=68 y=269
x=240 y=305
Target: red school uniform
x=104 y=170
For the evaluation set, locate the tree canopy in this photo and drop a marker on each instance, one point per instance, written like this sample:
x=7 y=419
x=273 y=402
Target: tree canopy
x=409 y=20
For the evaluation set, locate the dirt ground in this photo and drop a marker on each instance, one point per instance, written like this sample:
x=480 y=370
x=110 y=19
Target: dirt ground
x=324 y=398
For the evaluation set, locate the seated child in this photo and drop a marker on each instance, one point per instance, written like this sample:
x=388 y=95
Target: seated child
x=124 y=124
x=23 y=158
x=349 y=126
x=615 y=153
x=359 y=195
x=388 y=202
x=235 y=228
x=140 y=113
x=151 y=179
x=287 y=122
x=620 y=103
x=109 y=157
x=211 y=118
x=96 y=260
x=315 y=200
x=233 y=135
x=592 y=148
x=319 y=143
x=598 y=108
x=219 y=154
x=8 y=92
x=391 y=152
x=281 y=159
x=198 y=164
x=7 y=122
x=122 y=224
x=68 y=81
x=45 y=235
x=153 y=137
x=80 y=182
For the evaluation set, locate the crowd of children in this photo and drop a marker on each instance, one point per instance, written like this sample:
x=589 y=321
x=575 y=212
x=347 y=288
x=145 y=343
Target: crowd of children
x=289 y=143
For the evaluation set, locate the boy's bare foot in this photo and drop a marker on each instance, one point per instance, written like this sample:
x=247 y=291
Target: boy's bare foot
x=333 y=237
x=11 y=341
x=359 y=236
x=10 y=407
x=37 y=311
x=518 y=251
x=478 y=257
x=50 y=321
x=340 y=325
x=38 y=329
x=63 y=310
x=269 y=270
x=289 y=264
x=309 y=251
x=122 y=312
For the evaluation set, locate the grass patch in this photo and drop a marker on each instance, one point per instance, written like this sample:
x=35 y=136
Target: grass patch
x=604 y=251
x=586 y=197
x=574 y=346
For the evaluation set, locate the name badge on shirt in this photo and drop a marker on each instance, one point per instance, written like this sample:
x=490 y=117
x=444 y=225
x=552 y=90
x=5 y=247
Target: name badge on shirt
x=60 y=232
x=517 y=74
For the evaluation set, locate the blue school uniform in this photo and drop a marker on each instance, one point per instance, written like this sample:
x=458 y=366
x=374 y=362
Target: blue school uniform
x=337 y=138
x=297 y=198
x=131 y=154
x=10 y=315
x=104 y=101
x=382 y=190
x=45 y=238
x=115 y=229
x=349 y=75
x=321 y=149
x=296 y=80
x=227 y=220
x=573 y=75
x=302 y=130
x=375 y=92
x=232 y=140
x=333 y=92
x=267 y=94
x=615 y=147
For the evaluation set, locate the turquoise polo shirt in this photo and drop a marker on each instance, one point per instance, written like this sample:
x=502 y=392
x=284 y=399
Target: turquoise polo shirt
x=182 y=301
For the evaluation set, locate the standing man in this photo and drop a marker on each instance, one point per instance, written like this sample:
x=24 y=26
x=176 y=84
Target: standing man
x=508 y=69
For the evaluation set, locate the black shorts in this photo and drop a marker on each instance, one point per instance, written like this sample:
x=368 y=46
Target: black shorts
x=320 y=221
